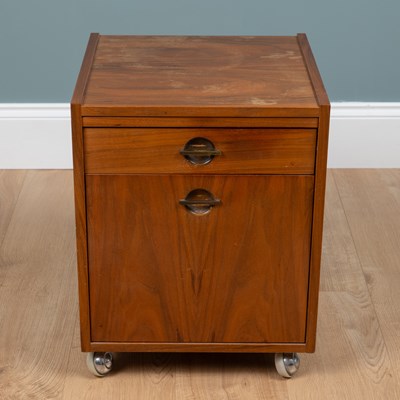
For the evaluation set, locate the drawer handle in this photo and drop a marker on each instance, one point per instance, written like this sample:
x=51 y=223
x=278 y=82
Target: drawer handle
x=199 y=151
x=199 y=201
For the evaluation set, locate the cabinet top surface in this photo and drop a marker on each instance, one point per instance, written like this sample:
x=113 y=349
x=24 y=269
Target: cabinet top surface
x=152 y=75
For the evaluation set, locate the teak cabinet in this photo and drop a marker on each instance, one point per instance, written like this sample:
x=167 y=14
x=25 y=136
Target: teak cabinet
x=199 y=172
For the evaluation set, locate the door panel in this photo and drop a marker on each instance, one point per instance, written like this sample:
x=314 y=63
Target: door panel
x=159 y=273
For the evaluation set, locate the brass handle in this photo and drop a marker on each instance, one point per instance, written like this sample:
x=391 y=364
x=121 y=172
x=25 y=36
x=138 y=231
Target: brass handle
x=199 y=201
x=199 y=151
x=210 y=202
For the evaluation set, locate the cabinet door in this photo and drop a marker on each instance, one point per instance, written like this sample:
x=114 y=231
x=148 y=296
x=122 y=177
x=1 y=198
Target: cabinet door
x=160 y=273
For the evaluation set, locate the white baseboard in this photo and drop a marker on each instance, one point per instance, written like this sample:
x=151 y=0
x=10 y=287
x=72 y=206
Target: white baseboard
x=364 y=135
x=35 y=136
x=38 y=136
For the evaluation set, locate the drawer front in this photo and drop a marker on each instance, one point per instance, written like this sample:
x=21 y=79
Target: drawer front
x=233 y=151
x=165 y=270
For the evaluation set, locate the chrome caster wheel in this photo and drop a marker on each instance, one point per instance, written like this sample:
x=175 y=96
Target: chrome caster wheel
x=99 y=364
x=287 y=364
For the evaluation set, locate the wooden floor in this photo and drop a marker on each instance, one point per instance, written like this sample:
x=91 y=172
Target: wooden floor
x=358 y=346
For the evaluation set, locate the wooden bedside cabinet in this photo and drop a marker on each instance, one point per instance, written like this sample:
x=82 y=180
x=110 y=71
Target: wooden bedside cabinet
x=199 y=170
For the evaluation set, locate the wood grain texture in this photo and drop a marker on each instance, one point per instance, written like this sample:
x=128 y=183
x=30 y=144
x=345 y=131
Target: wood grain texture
x=169 y=122
x=228 y=376
x=203 y=76
x=80 y=221
x=10 y=187
x=176 y=376
x=164 y=274
x=319 y=190
x=341 y=271
x=38 y=293
x=350 y=348
x=312 y=69
x=317 y=226
x=79 y=183
x=83 y=77
x=193 y=347
x=40 y=345
x=351 y=361
x=244 y=151
x=371 y=202
x=94 y=110
x=141 y=376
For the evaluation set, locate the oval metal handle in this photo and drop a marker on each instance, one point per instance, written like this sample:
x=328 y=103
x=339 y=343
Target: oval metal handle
x=199 y=201
x=199 y=151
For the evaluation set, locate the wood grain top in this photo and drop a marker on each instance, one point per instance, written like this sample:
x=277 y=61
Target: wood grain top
x=199 y=76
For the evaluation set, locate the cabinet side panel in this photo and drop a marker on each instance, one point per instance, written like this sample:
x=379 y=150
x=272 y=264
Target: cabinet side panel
x=79 y=188
x=80 y=218
x=317 y=229
x=319 y=191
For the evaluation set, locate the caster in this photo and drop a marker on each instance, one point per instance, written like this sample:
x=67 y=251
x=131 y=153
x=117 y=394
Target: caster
x=287 y=364
x=99 y=364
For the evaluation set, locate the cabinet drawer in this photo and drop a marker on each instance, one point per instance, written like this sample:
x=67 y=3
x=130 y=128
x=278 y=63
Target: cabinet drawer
x=158 y=150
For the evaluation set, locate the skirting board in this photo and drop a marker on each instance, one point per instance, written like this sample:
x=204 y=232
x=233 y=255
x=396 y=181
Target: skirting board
x=38 y=136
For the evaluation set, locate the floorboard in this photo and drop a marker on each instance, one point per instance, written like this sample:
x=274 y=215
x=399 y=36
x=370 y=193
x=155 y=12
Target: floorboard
x=371 y=203
x=38 y=295
x=358 y=343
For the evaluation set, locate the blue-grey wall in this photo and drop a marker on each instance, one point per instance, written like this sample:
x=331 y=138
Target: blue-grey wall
x=356 y=42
